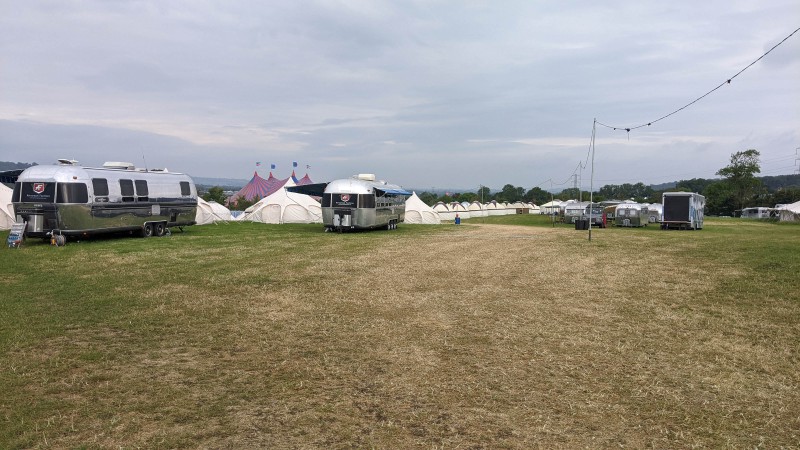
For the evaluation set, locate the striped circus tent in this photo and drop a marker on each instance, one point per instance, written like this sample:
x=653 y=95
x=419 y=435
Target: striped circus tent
x=305 y=180
x=258 y=188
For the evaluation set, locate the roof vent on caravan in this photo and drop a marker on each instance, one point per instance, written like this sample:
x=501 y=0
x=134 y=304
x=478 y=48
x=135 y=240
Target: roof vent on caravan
x=366 y=176
x=67 y=162
x=119 y=165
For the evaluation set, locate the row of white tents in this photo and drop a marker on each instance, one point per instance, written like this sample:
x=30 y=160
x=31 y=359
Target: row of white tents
x=289 y=207
x=467 y=210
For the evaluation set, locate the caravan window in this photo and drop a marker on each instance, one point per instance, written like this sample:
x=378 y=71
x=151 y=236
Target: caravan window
x=326 y=200
x=100 y=186
x=72 y=193
x=185 y=188
x=141 y=190
x=126 y=186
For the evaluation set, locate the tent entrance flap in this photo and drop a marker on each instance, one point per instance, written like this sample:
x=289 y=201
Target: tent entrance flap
x=314 y=190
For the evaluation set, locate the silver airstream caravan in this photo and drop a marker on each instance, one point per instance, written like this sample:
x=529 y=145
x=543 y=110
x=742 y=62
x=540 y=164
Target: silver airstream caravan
x=72 y=200
x=358 y=203
x=631 y=215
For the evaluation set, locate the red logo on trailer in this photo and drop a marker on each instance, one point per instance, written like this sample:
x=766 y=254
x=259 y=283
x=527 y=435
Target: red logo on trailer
x=345 y=197
x=38 y=187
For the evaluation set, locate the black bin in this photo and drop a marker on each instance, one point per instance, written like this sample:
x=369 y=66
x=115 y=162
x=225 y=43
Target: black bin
x=582 y=224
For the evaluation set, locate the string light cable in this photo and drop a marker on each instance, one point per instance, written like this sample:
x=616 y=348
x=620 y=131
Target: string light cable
x=727 y=81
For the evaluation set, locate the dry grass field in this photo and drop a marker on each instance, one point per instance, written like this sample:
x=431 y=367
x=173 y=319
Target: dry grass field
x=483 y=335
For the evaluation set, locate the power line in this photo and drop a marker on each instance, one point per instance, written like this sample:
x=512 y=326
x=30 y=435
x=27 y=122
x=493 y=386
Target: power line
x=728 y=81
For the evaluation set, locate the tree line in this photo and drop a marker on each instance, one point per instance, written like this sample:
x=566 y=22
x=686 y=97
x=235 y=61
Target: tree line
x=738 y=188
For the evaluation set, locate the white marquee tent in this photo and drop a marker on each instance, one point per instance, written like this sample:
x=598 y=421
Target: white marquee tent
x=476 y=209
x=495 y=209
x=211 y=212
x=285 y=207
x=417 y=212
x=6 y=208
x=550 y=207
x=460 y=210
x=444 y=212
x=790 y=212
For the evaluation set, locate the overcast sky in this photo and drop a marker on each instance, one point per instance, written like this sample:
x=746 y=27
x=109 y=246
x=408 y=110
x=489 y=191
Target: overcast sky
x=422 y=93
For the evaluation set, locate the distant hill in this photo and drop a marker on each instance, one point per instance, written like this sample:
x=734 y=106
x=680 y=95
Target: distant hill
x=7 y=165
x=664 y=186
x=781 y=181
x=222 y=182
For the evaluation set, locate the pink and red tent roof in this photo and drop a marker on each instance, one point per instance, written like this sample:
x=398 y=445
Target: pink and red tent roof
x=258 y=188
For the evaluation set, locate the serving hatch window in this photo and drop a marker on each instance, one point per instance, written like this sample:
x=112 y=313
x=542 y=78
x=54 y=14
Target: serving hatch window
x=72 y=193
x=366 y=200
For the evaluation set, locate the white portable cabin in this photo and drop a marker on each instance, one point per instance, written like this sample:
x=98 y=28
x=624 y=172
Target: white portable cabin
x=518 y=208
x=533 y=209
x=550 y=208
x=758 y=212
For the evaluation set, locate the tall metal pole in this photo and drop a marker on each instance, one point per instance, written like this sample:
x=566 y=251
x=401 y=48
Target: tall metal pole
x=591 y=181
x=552 y=216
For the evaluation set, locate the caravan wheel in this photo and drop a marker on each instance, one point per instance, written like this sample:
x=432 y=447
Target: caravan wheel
x=147 y=230
x=160 y=229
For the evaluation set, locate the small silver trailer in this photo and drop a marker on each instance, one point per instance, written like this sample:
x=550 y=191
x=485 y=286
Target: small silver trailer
x=72 y=200
x=630 y=215
x=358 y=203
x=574 y=211
x=655 y=212
x=682 y=210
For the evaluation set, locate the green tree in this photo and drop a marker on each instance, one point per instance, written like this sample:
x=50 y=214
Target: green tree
x=484 y=194
x=698 y=185
x=784 y=196
x=242 y=204
x=215 y=194
x=428 y=198
x=468 y=197
x=719 y=199
x=740 y=176
x=537 y=195
x=510 y=194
